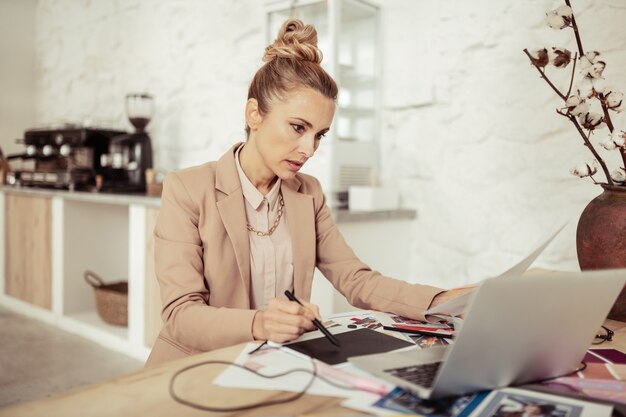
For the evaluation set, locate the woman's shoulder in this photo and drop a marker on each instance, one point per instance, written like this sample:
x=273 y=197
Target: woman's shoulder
x=195 y=173
x=192 y=179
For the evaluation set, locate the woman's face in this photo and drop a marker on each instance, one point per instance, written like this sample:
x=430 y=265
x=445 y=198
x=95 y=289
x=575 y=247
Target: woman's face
x=290 y=133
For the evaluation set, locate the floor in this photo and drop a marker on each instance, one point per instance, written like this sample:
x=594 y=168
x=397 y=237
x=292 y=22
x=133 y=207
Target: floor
x=38 y=360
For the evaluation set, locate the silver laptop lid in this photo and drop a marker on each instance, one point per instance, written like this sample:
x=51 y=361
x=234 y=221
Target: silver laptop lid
x=522 y=329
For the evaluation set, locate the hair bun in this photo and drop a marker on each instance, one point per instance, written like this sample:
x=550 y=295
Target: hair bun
x=295 y=40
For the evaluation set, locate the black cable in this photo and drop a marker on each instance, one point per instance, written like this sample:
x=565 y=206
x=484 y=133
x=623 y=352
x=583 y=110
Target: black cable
x=604 y=337
x=243 y=407
x=294 y=397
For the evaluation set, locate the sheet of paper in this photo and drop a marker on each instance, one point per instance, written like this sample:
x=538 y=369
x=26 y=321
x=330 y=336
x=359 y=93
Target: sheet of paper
x=457 y=305
x=275 y=361
x=515 y=400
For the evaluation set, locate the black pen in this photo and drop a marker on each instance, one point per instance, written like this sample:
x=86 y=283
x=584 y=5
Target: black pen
x=316 y=322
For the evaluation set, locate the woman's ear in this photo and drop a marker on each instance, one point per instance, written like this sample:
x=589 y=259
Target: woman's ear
x=253 y=114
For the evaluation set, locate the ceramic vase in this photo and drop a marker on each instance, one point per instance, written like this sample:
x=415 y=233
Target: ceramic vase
x=601 y=238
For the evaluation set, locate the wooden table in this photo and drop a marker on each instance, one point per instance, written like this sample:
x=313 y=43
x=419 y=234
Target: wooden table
x=145 y=393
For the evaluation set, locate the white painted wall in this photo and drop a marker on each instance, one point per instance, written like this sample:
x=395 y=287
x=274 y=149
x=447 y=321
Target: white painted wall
x=469 y=130
x=471 y=133
x=18 y=74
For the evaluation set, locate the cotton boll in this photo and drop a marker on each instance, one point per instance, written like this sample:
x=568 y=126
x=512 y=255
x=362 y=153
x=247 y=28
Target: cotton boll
x=585 y=169
x=597 y=69
x=614 y=100
x=573 y=101
x=588 y=59
x=599 y=85
x=613 y=141
x=590 y=120
x=564 y=11
x=607 y=143
x=539 y=57
x=619 y=138
x=555 y=21
x=593 y=70
x=585 y=88
x=576 y=105
x=559 y=57
x=582 y=108
x=618 y=175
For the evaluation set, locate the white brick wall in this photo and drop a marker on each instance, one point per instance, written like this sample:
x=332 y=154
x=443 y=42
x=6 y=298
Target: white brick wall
x=471 y=134
x=469 y=129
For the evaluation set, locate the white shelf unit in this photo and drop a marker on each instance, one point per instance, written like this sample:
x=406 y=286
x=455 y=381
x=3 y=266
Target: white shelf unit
x=93 y=240
x=348 y=36
x=108 y=238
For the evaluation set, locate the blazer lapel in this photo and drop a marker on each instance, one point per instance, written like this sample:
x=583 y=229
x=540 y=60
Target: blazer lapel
x=232 y=210
x=301 y=221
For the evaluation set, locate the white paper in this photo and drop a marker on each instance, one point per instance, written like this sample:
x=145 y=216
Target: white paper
x=457 y=305
x=275 y=361
x=514 y=399
x=364 y=404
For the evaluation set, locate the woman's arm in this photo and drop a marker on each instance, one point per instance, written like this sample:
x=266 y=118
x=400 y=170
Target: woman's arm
x=363 y=287
x=188 y=317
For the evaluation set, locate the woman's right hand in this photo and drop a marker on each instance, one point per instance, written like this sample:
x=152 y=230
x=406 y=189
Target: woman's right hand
x=284 y=320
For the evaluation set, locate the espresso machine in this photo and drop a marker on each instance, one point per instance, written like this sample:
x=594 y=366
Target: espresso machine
x=130 y=155
x=66 y=157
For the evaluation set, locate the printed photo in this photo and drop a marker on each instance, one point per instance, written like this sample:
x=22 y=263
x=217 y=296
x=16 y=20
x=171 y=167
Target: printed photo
x=428 y=341
x=504 y=404
x=406 y=402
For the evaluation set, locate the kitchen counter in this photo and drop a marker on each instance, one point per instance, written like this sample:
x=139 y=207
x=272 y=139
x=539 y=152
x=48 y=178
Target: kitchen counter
x=340 y=215
x=86 y=196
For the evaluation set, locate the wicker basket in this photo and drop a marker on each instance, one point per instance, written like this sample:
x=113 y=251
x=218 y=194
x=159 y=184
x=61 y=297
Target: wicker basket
x=111 y=299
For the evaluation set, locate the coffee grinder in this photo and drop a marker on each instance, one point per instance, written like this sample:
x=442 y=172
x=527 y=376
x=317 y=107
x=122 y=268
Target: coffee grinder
x=130 y=155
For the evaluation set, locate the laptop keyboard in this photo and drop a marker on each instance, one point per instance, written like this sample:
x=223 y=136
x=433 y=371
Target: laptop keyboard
x=423 y=375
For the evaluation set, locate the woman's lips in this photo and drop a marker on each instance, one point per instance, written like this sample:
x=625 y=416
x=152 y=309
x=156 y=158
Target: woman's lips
x=295 y=165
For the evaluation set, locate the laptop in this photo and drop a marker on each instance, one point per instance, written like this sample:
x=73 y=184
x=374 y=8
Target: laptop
x=516 y=330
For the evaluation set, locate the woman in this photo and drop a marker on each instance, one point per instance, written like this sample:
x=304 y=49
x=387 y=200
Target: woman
x=234 y=234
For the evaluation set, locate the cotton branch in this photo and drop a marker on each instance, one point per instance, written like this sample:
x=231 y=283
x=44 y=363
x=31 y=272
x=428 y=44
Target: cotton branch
x=575 y=27
x=571 y=81
x=589 y=146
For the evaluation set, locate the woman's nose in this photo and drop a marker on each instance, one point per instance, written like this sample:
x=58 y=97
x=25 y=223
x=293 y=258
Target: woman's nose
x=307 y=145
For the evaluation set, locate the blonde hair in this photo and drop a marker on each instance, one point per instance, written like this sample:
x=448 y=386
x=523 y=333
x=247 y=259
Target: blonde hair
x=292 y=61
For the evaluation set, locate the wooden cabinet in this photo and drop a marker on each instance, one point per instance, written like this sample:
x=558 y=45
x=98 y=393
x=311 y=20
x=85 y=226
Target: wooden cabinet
x=28 y=249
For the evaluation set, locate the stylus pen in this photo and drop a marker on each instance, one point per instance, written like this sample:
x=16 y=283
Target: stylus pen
x=316 y=322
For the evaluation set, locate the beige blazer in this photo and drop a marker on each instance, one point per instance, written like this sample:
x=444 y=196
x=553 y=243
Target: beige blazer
x=202 y=260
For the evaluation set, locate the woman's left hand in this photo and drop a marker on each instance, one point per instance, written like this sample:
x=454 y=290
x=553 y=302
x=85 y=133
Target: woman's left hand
x=448 y=295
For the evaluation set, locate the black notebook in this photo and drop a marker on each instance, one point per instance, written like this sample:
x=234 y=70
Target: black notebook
x=353 y=343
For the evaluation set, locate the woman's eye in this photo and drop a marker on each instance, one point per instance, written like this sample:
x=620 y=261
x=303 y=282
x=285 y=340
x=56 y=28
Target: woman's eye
x=298 y=128
x=321 y=135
